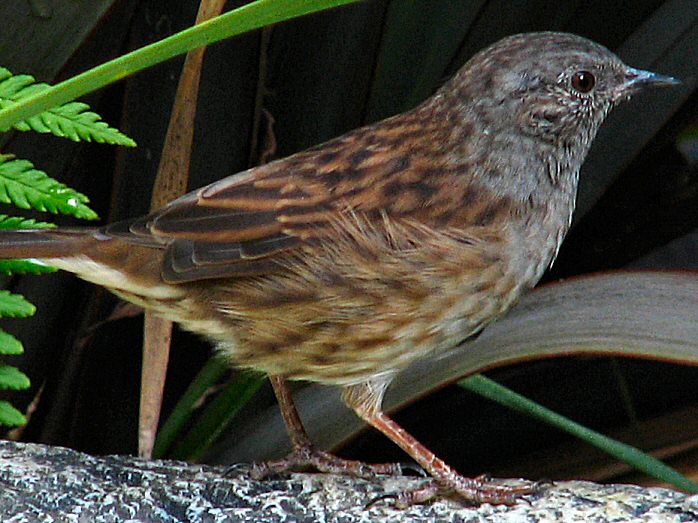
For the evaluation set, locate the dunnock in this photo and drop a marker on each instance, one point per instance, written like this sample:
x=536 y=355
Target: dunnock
x=345 y=263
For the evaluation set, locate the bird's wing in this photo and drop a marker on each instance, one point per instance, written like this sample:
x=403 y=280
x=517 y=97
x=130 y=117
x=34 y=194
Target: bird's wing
x=238 y=226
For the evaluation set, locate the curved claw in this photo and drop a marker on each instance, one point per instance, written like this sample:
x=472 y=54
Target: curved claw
x=412 y=467
x=372 y=502
x=236 y=469
x=482 y=489
x=485 y=477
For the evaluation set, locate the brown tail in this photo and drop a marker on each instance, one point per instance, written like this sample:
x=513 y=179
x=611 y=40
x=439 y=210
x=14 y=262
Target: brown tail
x=130 y=270
x=45 y=243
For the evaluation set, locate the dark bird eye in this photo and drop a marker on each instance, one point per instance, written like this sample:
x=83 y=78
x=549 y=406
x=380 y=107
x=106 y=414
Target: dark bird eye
x=583 y=81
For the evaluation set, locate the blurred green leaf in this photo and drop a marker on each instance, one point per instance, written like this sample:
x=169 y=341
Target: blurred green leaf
x=10 y=416
x=9 y=344
x=218 y=415
x=13 y=378
x=8 y=267
x=14 y=305
x=206 y=379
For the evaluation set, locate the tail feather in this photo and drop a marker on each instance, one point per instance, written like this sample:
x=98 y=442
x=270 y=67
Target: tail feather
x=44 y=243
x=130 y=270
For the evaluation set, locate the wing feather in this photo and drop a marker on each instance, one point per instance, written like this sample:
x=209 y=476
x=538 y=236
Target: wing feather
x=243 y=224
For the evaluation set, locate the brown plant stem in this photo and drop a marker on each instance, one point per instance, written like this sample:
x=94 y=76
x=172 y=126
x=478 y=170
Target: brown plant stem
x=170 y=182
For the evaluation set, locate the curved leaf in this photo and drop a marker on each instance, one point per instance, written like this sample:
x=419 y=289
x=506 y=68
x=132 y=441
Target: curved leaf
x=182 y=412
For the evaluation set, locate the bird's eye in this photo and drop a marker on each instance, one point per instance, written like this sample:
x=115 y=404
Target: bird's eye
x=583 y=81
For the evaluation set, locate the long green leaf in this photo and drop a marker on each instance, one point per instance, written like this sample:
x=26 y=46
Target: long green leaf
x=246 y=18
x=630 y=455
x=218 y=415
x=207 y=377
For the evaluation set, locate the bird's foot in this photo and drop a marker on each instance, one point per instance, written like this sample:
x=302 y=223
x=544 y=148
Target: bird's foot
x=309 y=457
x=475 y=491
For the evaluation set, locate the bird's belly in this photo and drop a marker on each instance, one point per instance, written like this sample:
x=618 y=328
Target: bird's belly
x=381 y=339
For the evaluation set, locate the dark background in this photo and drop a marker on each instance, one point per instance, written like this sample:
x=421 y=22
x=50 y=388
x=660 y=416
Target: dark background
x=320 y=76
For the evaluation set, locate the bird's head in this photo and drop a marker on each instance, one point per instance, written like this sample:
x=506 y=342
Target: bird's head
x=555 y=86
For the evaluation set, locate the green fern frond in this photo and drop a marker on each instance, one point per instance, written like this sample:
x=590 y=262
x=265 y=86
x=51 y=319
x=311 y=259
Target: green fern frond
x=13 y=378
x=71 y=120
x=10 y=345
x=14 y=305
x=10 y=267
x=17 y=222
x=30 y=188
x=10 y=416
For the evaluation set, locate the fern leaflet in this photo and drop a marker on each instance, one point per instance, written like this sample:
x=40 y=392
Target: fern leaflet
x=13 y=378
x=14 y=305
x=71 y=120
x=10 y=416
x=10 y=345
x=30 y=188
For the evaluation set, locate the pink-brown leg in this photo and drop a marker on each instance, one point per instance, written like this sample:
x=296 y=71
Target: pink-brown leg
x=304 y=454
x=365 y=399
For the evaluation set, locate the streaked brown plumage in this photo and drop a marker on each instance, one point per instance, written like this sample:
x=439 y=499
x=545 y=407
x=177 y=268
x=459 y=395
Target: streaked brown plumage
x=345 y=263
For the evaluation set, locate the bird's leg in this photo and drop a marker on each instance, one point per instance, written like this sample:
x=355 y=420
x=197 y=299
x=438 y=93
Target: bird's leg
x=304 y=454
x=366 y=400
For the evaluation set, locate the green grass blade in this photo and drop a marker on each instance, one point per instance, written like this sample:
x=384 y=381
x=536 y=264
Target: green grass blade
x=630 y=455
x=218 y=416
x=244 y=19
x=207 y=377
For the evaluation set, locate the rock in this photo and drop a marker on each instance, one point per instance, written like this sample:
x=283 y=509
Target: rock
x=43 y=483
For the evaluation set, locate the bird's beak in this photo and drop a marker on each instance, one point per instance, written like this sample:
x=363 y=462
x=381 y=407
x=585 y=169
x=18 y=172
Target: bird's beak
x=637 y=79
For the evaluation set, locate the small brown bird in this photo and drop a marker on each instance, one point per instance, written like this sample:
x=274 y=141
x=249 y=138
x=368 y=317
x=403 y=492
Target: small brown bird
x=345 y=263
